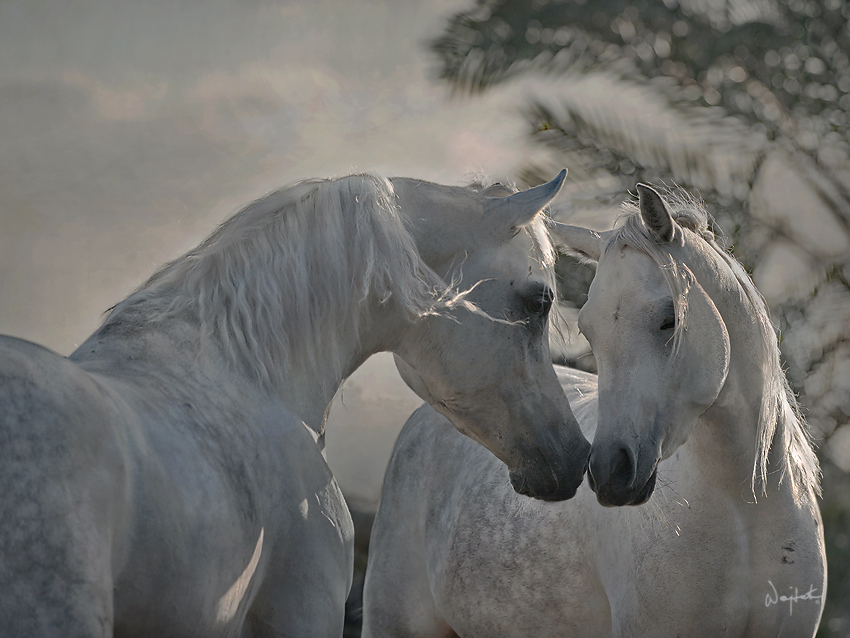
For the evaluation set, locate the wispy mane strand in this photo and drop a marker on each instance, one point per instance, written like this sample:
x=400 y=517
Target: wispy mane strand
x=284 y=281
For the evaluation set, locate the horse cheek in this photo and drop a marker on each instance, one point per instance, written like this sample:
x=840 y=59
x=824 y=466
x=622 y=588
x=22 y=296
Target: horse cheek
x=706 y=354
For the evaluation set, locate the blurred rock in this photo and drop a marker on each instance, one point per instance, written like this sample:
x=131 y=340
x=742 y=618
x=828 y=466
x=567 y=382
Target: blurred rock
x=786 y=272
x=782 y=198
x=823 y=321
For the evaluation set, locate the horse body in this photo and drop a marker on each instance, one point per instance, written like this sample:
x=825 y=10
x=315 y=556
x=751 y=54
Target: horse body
x=188 y=498
x=167 y=478
x=469 y=555
x=717 y=551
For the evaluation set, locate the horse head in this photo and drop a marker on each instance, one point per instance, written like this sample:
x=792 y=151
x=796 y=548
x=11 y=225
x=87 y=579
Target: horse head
x=661 y=346
x=483 y=360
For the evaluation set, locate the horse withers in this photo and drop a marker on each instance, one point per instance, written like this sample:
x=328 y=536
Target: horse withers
x=692 y=423
x=161 y=481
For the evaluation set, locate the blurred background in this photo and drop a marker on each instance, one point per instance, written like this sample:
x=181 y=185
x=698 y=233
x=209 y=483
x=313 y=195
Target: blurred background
x=128 y=130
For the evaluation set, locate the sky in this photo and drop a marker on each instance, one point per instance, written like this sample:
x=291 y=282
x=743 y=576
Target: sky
x=129 y=130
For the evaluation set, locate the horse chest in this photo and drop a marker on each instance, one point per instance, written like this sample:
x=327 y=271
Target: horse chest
x=214 y=519
x=788 y=573
x=514 y=567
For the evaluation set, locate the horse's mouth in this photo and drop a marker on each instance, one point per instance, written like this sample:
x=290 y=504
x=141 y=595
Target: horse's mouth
x=613 y=498
x=544 y=486
x=647 y=490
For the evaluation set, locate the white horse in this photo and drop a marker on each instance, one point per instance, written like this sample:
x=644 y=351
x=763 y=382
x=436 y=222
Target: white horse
x=160 y=481
x=731 y=544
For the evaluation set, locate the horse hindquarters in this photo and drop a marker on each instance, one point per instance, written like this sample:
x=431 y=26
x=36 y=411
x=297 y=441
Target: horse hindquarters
x=61 y=481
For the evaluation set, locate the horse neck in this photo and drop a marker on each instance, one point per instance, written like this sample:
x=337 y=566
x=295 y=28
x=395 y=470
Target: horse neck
x=309 y=389
x=725 y=439
x=721 y=455
x=173 y=354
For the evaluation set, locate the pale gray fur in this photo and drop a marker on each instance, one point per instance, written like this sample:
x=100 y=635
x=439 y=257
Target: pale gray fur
x=453 y=549
x=779 y=401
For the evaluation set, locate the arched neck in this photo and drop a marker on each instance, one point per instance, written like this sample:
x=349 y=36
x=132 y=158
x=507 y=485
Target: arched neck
x=729 y=428
x=173 y=354
x=308 y=390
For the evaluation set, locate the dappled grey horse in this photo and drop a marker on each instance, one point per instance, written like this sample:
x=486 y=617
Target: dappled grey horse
x=161 y=481
x=690 y=405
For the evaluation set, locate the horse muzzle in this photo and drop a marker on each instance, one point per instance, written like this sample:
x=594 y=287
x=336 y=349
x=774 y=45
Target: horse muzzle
x=617 y=480
x=548 y=481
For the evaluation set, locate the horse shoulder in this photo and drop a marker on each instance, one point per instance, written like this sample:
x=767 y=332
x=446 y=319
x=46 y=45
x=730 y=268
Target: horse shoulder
x=448 y=504
x=788 y=560
x=218 y=468
x=245 y=482
x=417 y=508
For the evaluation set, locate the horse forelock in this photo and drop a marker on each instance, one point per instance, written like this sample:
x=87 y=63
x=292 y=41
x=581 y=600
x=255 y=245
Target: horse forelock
x=778 y=399
x=284 y=281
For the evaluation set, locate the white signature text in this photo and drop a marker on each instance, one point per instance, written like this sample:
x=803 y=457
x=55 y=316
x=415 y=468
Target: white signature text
x=775 y=598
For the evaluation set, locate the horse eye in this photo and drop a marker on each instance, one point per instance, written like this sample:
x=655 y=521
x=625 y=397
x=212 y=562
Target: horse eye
x=669 y=323
x=540 y=303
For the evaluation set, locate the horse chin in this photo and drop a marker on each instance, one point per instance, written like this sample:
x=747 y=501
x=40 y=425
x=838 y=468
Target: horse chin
x=614 y=498
x=544 y=487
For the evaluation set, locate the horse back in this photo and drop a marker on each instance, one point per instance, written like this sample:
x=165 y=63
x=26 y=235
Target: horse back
x=62 y=476
x=43 y=395
x=50 y=409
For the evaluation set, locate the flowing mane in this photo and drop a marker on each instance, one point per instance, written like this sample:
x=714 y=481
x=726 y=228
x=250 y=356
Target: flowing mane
x=284 y=280
x=778 y=399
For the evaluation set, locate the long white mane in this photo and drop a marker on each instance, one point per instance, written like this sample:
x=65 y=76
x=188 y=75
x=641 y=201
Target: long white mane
x=286 y=280
x=779 y=404
x=289 y=279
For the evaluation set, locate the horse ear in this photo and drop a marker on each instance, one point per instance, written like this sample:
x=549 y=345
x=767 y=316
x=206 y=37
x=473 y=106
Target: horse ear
x=655 y=214
x=521 y=208
x=581 y=242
